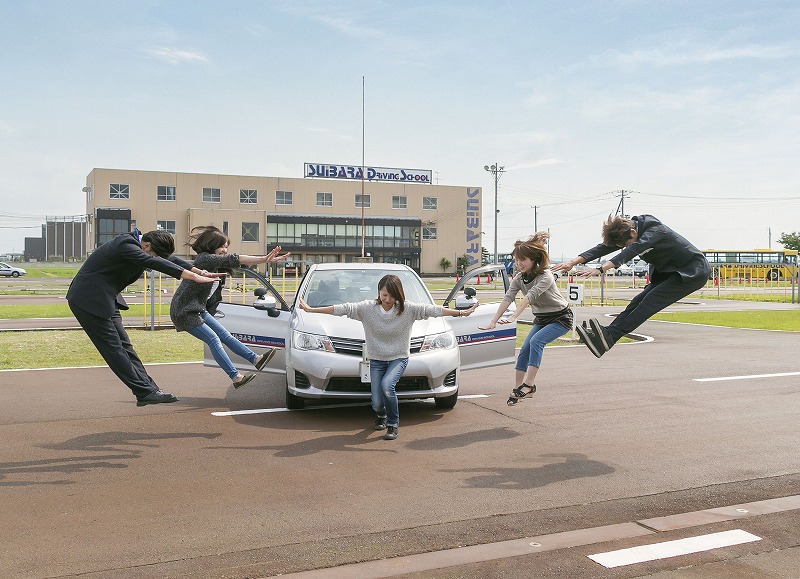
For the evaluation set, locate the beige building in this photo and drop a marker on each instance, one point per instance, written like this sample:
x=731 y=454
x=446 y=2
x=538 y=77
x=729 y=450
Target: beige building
x=316 y=219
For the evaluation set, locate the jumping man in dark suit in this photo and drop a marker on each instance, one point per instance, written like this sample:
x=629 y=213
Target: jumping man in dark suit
x=677 y=268
x=95 y=300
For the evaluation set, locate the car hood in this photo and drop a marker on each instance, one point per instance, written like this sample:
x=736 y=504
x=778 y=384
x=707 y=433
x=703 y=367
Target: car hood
x=344 y=327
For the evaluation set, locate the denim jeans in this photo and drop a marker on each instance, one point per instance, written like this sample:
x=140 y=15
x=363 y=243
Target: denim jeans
x=530 y=354
x=384 y=376
x=214 y=334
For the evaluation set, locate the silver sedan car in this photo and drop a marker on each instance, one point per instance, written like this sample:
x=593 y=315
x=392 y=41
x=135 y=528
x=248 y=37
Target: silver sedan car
x=11 y=271
x=320 y=354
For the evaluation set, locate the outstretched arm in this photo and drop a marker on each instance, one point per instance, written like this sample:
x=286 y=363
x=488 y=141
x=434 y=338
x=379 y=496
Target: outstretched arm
x=271 y=257
x=458 y=313
x=307 y=308
x=498 y=314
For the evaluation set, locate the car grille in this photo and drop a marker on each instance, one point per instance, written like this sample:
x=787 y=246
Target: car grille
x=350 y=347
x=406 y=384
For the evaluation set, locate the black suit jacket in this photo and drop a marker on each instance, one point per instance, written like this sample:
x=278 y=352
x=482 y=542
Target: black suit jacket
x=110 y=269
x=661 y=247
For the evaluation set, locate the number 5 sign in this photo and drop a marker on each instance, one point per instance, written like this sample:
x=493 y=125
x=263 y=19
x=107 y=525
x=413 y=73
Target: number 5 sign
x=575 y=293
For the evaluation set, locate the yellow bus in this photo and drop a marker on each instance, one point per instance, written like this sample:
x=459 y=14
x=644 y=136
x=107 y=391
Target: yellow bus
x=768 y=264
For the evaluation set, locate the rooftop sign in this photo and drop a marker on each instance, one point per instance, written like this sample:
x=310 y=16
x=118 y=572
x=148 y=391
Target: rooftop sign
x=372 y=173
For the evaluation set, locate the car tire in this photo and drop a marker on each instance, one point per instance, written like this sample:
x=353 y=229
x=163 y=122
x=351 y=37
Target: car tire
x=447 y=402
x=14 y=274
x=293 y=402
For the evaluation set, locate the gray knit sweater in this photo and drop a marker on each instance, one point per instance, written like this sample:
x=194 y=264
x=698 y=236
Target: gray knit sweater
x=388 y=335
x=541 y=293
x=190 y=298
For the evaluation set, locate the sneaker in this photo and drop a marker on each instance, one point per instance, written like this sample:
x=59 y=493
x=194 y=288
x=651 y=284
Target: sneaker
x=243 y=380
x=591 y=340
x=601 y=333
x=391 y=433
x=380 y=423
x=262 y=360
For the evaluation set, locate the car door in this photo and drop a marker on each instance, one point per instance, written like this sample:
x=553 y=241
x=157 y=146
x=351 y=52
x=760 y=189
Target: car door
x=258 y=321
x=482 y=348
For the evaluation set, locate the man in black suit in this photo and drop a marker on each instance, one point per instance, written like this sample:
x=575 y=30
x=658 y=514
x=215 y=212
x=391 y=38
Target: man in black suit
x=95 y=300
x=677 y=268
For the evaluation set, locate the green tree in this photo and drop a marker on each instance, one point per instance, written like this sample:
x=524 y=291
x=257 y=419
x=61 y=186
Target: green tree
x=485 y=259
x=790 y=240
x=445 y=264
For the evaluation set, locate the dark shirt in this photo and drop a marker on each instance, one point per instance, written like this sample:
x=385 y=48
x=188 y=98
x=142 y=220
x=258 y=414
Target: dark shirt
x=110 y=269
x=661 y=247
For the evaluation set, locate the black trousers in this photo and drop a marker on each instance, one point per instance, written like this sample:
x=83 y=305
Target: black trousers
x=663 y=290
x=111 y=340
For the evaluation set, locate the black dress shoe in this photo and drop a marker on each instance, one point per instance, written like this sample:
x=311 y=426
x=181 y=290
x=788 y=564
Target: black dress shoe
x=157 y=397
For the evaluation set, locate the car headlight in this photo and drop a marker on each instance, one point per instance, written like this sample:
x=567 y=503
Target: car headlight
x=306 y=341
x=444 y=341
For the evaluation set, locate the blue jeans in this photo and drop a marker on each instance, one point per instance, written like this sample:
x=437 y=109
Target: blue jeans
x=530 y=354
x=214 y=334
x=384 y=376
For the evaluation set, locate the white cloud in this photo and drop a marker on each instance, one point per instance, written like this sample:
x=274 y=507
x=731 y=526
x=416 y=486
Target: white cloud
x=175 y=56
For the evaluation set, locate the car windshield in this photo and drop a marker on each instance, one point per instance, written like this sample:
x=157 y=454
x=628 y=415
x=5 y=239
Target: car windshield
x=331 y=287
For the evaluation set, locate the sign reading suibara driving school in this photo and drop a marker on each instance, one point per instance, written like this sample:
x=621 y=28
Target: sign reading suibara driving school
x=372 y=173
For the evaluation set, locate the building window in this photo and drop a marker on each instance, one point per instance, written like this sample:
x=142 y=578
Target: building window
x=168 y=226
x=225 y=228
x=362 y=200
x=324 y=199
x=211 y=195
x=248 y=196
x=249 y=231
x=430 y=203
x=165 y=193
x=399 y=202
x=428 y=233
x=283 y=197
x=118 y=191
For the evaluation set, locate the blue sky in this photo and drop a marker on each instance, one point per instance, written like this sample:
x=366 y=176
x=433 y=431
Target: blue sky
x=691 y=107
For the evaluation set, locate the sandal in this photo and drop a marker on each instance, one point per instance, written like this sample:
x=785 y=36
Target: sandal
x=520 y=392
x=264 y=358
x=244 y=380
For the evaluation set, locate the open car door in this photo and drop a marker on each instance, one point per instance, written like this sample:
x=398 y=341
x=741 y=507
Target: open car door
x=260 y=320
x=482 y=348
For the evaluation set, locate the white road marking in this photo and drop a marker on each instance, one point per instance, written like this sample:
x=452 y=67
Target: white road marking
x=722 y=378
x=365 y=403
x=673 y=548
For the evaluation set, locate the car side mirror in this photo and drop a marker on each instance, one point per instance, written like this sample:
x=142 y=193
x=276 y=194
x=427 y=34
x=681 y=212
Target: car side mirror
x=266 y=303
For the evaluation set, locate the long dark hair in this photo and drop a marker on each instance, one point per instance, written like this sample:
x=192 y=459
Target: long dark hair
x=394 y=286
x=207 y=239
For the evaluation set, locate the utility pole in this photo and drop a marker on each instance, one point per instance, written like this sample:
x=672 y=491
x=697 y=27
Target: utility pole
x=621 y=207
x=496 y=170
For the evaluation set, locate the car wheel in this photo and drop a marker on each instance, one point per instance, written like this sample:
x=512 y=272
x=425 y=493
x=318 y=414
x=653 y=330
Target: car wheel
x=14 y=274
x=773 y=275
x=293 y=402
x=448 y=401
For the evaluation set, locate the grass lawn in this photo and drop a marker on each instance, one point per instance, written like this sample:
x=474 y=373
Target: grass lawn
x=21 y=312
x=758 y=319
x=70 y=348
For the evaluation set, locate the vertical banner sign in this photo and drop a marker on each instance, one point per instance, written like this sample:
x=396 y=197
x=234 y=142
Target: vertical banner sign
x=473 y=227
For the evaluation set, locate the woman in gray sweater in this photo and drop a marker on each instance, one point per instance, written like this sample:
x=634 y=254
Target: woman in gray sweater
x=188 y=307
x=387 y=322
x=552 y=314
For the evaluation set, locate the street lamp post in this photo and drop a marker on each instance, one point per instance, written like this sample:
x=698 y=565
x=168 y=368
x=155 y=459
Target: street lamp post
x=495 y=170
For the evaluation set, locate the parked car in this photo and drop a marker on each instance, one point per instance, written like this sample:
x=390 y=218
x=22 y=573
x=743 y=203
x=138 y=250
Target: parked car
x=320 y=354
x=641 y=268
x=624 y=269
x=10 y=270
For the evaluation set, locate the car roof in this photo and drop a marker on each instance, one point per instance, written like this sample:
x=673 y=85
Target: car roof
x=360 y=266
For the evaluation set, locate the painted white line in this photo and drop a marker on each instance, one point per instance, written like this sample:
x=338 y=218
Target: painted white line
x=673 y=548
x=365 y=403
x=751 y=376
x=148 y=365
